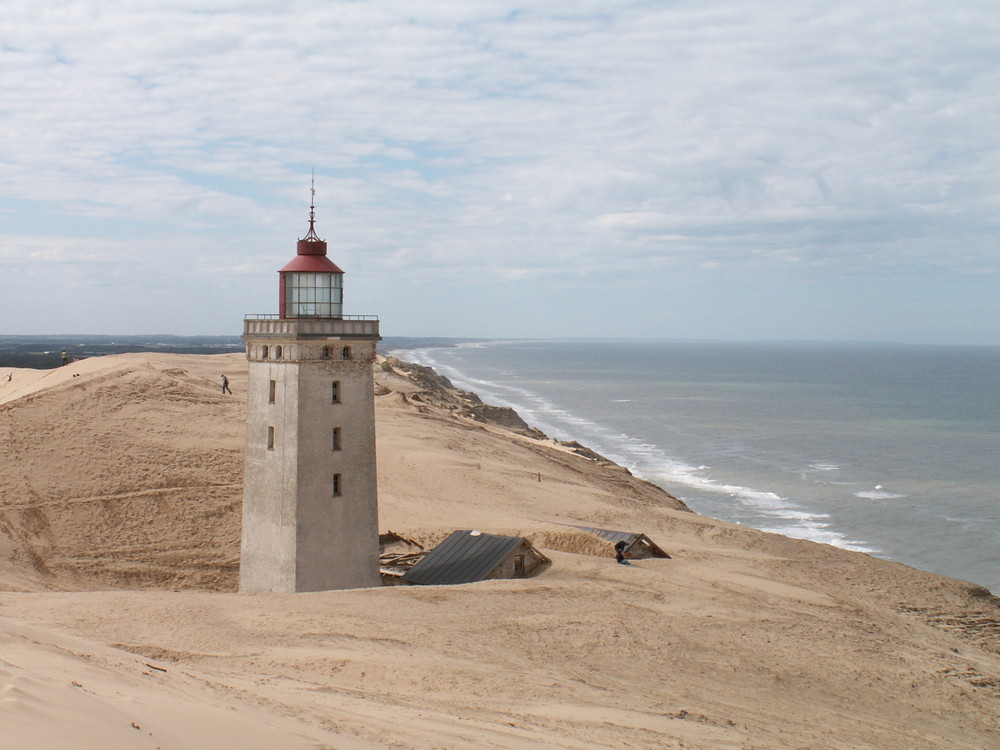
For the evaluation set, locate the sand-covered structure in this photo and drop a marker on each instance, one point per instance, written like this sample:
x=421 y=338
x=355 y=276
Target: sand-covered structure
x=468 y=556
x=121 y=625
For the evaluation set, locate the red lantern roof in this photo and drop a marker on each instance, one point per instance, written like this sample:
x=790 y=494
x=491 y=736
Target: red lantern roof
x=311 y=251
x=303 y=263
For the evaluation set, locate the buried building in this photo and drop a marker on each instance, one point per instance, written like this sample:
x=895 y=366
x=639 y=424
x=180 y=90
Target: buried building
x=636 y=545
x=468 y=556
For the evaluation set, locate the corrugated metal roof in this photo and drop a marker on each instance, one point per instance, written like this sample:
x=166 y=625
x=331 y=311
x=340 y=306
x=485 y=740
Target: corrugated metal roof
x=463 y=557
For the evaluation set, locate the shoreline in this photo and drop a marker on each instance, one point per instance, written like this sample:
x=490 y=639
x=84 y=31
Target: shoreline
x=723 y=493
x=680 y=474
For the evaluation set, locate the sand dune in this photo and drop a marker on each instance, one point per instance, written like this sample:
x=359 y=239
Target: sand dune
x=120 y=488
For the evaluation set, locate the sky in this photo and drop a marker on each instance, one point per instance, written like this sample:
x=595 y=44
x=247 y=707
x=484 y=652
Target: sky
x=745 y=170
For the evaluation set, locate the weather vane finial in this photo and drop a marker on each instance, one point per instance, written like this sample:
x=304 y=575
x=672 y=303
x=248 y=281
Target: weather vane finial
x=312 y=202
x=312 y=236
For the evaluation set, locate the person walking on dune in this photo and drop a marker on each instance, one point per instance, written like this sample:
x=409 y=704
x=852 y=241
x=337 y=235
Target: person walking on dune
x=225 y=386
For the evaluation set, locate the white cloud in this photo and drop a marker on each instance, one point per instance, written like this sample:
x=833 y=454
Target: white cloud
x=481 y=139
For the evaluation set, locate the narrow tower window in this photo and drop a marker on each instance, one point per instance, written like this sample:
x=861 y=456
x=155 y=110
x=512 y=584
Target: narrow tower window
x=336 y=438
x=277 y=352
x=326 y=352
x=337 y=485
x=270 y=438
x=270 y=392
x=345 y=353
x=336 y=392
x=263 y=352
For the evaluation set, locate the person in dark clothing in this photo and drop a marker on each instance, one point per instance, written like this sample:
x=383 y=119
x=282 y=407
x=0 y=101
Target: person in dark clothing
x=225 y=386
x=620 y=553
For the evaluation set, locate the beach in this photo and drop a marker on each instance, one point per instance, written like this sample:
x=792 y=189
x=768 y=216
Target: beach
x=120 y=497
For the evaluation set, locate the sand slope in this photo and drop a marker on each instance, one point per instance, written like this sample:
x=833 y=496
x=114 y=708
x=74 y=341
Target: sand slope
x=129 y=473
x=127 y=478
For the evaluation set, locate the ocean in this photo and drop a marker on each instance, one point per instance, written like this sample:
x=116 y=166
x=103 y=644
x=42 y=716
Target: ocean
x=887 y=449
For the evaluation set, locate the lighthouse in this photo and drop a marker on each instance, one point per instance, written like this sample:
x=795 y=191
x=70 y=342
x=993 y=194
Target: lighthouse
x=310 y=495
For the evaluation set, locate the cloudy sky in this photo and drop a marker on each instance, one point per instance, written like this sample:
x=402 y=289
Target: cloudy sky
x=728 y=170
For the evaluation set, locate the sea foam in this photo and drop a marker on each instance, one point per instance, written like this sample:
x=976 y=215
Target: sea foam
x=878 y=495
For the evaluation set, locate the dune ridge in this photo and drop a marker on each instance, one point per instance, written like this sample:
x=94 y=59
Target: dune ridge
x=120 y=491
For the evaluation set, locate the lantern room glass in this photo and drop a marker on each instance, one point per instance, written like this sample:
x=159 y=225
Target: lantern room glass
x=314 y=295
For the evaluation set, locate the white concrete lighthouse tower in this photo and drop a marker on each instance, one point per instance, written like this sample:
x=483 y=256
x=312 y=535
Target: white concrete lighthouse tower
x=310 y=497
